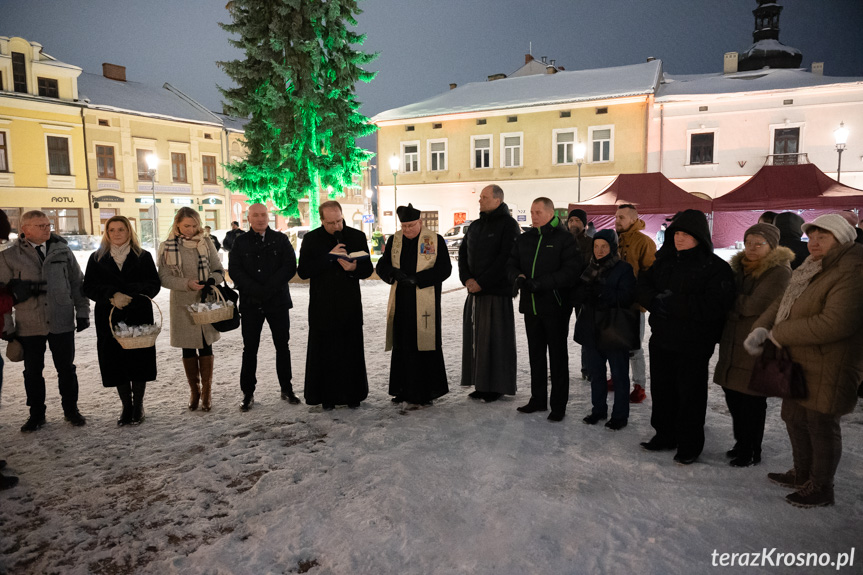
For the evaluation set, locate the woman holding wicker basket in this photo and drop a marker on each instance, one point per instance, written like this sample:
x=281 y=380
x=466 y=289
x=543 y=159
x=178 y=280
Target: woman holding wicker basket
x=189 y=266
x=121 y=278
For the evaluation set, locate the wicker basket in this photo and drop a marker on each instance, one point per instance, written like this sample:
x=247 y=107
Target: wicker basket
x=213 y=315
x=138 y=341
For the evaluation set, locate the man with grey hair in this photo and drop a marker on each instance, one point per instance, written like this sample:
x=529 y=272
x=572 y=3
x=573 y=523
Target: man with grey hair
x=51 y=317
x=488 y=342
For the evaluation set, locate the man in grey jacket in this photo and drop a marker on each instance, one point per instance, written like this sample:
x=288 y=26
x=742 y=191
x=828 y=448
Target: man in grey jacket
x=50 y=317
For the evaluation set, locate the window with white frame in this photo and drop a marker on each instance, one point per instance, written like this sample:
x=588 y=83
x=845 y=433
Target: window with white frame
x=105 y=162
x=4 y=153
x=564 y=146
x=601 y=143
x=701 y=146
x=58 y=156
x=481 y=147
x=437 y=154
x=410 y=157
x=510 y=150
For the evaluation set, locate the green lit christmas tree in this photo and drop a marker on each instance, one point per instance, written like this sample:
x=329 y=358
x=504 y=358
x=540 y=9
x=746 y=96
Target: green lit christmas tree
x=296 y=87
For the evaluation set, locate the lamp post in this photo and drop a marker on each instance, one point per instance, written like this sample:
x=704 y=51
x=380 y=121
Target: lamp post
x=394 y=166
x=841 y=136
x=579 y=159
x=152 y=164
x=369 y=196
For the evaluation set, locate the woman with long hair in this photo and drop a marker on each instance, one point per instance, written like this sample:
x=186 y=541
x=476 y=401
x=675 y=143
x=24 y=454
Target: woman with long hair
x=121 y=275
x=189 y=266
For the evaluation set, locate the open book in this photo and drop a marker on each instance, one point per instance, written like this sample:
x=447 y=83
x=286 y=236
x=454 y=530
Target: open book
x=350 y=256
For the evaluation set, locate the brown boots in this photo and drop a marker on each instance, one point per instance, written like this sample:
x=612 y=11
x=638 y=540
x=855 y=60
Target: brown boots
x=206 y=364
x=191 y=366
x=199 y=367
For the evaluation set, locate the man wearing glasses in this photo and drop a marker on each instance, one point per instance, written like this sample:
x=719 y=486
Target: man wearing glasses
x=50 y=317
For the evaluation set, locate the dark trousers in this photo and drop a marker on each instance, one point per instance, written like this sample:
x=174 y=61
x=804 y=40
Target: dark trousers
x=816 y=442
x=618 y=360
x=748 y=413
x=278 y=318
x=548 y=334
x=63 y=352
x=678 y=388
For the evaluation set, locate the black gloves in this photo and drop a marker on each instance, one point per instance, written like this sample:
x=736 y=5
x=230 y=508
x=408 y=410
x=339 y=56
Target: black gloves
x=82 y=324
x=208 y=288
x=519 y=282
x=399 y=276
x=408 y=281
x=22 y=290
x=532 y=285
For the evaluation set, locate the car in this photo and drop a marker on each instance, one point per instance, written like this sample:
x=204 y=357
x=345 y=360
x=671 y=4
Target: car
x=454 y=236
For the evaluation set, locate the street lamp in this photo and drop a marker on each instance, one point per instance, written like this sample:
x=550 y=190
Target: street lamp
x=394 y=166
x=841 y=136
x=152 y=164
x=579 y=159
x=369 y=196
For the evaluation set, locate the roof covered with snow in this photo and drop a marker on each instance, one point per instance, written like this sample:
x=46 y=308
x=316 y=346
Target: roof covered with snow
x=678 y=87
x=536 y=90
x=769 y=46
x=232 y=123
x=133 y=97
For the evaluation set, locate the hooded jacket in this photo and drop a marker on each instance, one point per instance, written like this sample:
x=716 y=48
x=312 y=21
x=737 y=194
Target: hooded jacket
x=687 y=293
x=636 y=248
x=790 y=232
x=484 y=251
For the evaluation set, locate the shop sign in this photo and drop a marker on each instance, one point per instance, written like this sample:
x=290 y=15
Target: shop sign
x=109 y=199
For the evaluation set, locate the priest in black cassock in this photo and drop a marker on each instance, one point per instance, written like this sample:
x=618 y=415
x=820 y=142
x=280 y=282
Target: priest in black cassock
x=335 y=311
x=416 y=262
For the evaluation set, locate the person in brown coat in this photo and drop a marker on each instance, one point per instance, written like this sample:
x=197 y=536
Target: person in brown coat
x=761 y=274
x=819 y=320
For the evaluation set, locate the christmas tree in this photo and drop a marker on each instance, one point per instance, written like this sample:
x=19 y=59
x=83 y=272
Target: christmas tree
x=296 y=87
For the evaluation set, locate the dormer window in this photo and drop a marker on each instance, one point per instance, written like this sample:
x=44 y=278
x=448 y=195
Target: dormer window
x=19 y=73
x=48 y=87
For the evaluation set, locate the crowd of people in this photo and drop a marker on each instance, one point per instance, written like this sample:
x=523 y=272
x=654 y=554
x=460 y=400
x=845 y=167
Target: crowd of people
x=771 y=294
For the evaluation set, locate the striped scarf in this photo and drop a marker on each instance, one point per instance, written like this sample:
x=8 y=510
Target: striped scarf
x=171 y=255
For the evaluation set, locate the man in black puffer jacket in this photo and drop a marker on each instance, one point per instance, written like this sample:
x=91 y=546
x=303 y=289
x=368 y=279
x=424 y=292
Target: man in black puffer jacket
x=790 y=232
x=688 y=291
x=545 y=265
x=488 y=342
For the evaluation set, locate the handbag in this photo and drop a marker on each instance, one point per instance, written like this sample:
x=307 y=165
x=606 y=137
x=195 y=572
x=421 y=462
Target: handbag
x=233 y=322
x=617 y=328
x=775 y=375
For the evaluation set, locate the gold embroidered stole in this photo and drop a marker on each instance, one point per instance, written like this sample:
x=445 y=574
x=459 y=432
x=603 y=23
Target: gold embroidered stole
x=426 y=258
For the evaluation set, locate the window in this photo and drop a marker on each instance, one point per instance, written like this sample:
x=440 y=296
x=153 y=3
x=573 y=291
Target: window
x=437 y=155
x=701 y=148
x=430 y=221
x=208 y=136
x=481 y=146
x=65 y=222
x=14 y=215
x=58 y=156
x=48 y=87
x=512 y=119
x=481 y=122
x=105 y=162
x=437 y=126
x=19 y=73
x=178 y=167
x=786 y=146
x=143 y=169
x=4 y=158
x=104 y=123
x=510 y=152
x=410 y=157
x=409 y=128
x=566 y=114
x=209 y=165
x=603 y=110
x=600 y=143
x=564 y=144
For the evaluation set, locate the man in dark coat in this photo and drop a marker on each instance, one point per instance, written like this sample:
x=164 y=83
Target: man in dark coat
x=335 y=310
x=231 y=236
x=577 y=225
x=688 y=291
x=261 y=263
x=790 y=232
x=415 y=262
x=488 y=341
x=545 y=265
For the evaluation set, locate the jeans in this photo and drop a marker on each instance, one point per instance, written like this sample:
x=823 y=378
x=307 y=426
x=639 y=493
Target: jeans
x=63 y=352
x=619 y=362
x=278 y=319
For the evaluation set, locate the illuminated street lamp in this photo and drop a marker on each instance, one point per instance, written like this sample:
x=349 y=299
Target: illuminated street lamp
x=841 y=137
x=369 y=196
x=152 y=164
x=394 y=166
x=579 y=159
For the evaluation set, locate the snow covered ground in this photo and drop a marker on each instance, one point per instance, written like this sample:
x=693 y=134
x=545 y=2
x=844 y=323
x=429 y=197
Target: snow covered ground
x=461 y=487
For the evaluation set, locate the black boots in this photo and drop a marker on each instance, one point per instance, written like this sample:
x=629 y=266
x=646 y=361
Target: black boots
x=132 y=397
x=124 y=390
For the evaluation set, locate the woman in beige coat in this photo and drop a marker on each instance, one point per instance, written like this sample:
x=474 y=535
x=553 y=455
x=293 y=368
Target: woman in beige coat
x=819 y=319
x=761 y=274
x=188 y=265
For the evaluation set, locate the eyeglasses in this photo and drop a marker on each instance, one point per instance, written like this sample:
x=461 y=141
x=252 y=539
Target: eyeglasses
x=754 y=244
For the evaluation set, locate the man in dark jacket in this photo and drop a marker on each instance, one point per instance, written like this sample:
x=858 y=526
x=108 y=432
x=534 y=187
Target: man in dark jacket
x=261 y=263
x=790 y=232
x=688 y=291
x=488 y=337
x=544 y=265
x=231 y=236
x=577 y=225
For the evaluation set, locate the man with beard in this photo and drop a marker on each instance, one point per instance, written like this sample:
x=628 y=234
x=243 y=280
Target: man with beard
x=335 y=310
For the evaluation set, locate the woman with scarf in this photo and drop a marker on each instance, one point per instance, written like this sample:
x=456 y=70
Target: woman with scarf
x=819 y=320
x=606 y=283
x=122 y=276
x=189 y=266
x=761 y=274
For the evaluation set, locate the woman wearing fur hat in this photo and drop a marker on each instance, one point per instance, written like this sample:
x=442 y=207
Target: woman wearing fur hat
x=761 y=274
x=818 y=320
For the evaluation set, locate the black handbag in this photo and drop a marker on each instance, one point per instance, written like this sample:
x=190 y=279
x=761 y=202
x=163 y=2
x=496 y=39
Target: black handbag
x=776 y=375
x=617 y=328
x=231 y=296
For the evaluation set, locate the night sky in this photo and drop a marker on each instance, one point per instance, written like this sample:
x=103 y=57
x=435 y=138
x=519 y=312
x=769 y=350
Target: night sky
x=425 y=45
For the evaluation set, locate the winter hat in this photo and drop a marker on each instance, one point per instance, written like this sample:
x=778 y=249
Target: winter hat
x=694 y=223
x=767 y=231
x=608 y=235
x=580 y=214
x=836 y=225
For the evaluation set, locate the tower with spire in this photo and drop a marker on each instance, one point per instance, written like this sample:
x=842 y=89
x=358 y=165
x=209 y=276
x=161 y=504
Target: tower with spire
x=767 y=51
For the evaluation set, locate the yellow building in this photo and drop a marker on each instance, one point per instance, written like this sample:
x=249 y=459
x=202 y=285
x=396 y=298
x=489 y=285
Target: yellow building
x=42 y=158
x=523 y=133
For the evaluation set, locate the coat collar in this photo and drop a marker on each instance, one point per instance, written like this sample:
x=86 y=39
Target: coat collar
x=779 y=256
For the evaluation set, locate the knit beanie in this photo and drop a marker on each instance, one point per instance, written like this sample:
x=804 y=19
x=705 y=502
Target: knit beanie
x=580 y=214
x=836 y=225
x=767 y=231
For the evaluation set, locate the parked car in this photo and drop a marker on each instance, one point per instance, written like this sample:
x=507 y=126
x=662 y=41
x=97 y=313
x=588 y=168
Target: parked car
x=454 y=236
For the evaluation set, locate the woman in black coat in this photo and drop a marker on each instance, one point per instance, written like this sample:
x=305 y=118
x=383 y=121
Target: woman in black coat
x=119 y=275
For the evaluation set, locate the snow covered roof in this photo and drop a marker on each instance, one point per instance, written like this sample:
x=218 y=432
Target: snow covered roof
x=674 y=87
x=768 y=46
x=536 y=90
x=232 y=123
x=133 y=97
